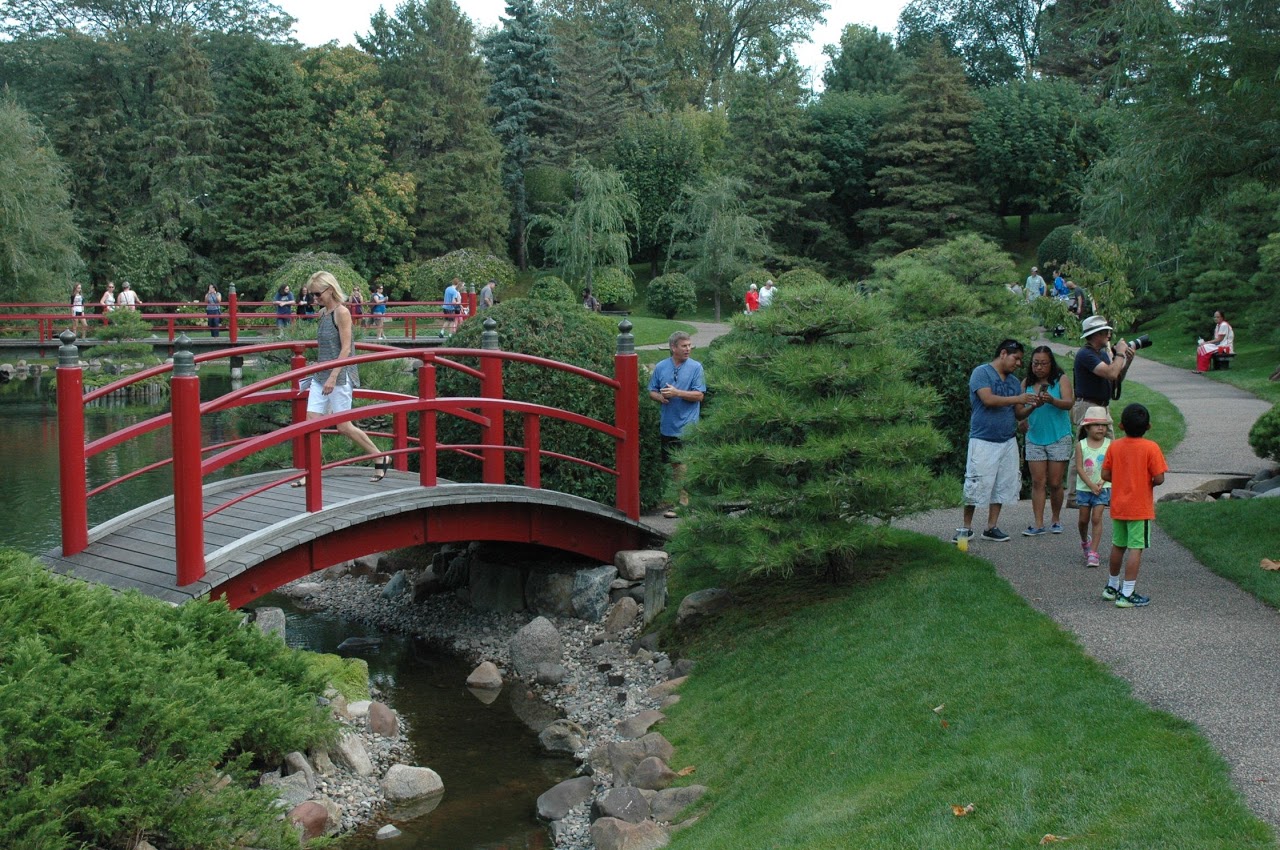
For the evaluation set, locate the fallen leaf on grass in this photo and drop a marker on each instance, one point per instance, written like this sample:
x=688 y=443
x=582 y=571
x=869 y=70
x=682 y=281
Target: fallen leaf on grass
x=961 y=811
x=686 y=771
x=946 y=725
x=1268 y=564
x=1050 y=838
x=938 y=710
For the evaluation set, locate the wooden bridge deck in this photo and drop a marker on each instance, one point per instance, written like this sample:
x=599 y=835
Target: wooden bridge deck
x=136 y=550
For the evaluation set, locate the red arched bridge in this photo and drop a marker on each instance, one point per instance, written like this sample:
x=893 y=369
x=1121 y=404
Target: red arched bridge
x=243 y=536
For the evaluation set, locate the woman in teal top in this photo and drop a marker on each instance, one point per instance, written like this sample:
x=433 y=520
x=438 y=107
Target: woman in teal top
x=1049 y=439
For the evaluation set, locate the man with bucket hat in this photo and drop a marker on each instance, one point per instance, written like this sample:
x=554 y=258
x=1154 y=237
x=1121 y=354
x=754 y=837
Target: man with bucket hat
x=1097 y=369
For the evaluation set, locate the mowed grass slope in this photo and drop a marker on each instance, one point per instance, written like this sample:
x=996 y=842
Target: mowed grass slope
x=811 y=716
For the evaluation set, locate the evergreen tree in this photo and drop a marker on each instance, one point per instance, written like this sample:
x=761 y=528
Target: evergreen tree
x=266 y=204
x=865 y=62
x=518 y=56
x=37 y=234
x=367 y=205
x=439 y=131
x=776 y=155
x=927 y=188
x=815 y=438
x=594 y=232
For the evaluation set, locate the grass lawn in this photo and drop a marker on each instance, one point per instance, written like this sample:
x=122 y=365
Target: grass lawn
x=1167 y=425
x=1024 y=253
x=1230 y=538
x=651 y=331
x=1252 y=366
x=856 y=716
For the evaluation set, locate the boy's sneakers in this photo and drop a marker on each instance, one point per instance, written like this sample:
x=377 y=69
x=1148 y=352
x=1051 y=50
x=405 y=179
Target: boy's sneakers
x=1110 y=593
x=1133 y=600
x=965 y=533
x=1056 y=528
x=995 y=535
x=1033 y=531
x=1091 y=560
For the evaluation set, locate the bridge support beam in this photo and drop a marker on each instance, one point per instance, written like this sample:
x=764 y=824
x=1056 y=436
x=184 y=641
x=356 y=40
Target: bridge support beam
x=71 y=454
x=188 y=477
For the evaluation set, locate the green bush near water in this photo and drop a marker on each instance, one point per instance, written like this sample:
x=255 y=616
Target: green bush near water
x=118 y=715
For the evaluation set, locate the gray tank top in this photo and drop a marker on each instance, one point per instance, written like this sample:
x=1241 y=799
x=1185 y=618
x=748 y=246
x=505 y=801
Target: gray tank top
x=330 y=348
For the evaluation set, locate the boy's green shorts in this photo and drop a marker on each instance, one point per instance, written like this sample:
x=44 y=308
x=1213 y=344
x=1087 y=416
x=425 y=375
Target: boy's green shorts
x=1131 y=533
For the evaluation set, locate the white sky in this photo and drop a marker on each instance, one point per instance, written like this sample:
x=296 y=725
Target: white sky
x=322 y=21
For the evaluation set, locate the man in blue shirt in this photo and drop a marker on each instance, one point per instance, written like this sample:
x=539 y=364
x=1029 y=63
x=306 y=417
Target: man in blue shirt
x=453 y=304
x=993 y=474
x=678 y=385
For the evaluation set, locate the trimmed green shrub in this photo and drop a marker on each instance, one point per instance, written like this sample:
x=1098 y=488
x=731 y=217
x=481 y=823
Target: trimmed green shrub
x=613 y=287
x=949 y=350
x=1056 y=250
x=799 y=277
x=299 y=268
x=738 y=288
x=1264 y=436
x=671 y=294
x=118 y=714
x=570 y=334
x=426 y=281
x=551 y=288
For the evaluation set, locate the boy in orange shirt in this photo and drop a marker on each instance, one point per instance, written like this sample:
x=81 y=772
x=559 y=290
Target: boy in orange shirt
x=1135 y=466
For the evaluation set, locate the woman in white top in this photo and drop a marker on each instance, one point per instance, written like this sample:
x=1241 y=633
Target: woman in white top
x=78 y=321
x=1224 y=339
x=108 y=300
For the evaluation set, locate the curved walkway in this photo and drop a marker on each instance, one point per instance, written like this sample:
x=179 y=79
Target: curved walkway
x=1204 y=650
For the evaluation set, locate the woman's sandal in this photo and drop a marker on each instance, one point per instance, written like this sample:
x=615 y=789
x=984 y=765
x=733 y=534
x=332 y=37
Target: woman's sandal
x=301 y=482
x=380 y=468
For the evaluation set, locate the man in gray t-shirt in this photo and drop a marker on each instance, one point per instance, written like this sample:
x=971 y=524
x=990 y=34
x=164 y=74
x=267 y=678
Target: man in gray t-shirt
x=992 y=474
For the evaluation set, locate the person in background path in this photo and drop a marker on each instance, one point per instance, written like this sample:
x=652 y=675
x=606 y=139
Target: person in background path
x=128 y=299
x=752 y=298
x=304 y=302
x=678 y=384
x=1224 y=340
x=1035 y=284
x=355 y=303
x=1049 y=439
x=486 y=295
x=766 y=294
x=108 y=299
x=1135 y=466
x=453 y=304
x=590 y=301
x=1093 y=494
x=79 y=324
x=993 y=474
x=333 y=391
x=380 y=299
x=213 y=309
x=284 y=307
x=1059 y=286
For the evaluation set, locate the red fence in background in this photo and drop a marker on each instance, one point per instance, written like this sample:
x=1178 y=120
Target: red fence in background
x=43 y=322
x=192 y=462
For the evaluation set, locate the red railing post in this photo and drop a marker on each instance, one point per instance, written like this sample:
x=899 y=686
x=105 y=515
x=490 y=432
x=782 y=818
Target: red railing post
x=626 y=416
x=400 y=441
x=533 y=451
x=428 y=462
x=233 y=315
x=494 y=459
x=299 y=409
x=71 y=456
x=472 y=300
x=188 y=478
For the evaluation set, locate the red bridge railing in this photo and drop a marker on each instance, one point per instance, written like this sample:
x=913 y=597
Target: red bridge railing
x=192 y=461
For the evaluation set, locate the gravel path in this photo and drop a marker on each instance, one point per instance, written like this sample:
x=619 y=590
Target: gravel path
x=1204 y=650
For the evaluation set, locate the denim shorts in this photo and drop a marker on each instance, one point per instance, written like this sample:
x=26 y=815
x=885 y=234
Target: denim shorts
x=1086 y=499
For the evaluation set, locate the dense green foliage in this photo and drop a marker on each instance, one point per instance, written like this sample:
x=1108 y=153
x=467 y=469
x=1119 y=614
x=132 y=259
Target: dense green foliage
x=1264 y=436
x=815 y=433
x=426 y=281
x=569 y=334
x=551 y=288
x=947 y=351
x=613 y=287
x=298 y=269
x=120 y=713
x=1056 y=249
x=669 y=295
x=800 y=277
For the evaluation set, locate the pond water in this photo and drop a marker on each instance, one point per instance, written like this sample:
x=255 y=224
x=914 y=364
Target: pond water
x=489 y=758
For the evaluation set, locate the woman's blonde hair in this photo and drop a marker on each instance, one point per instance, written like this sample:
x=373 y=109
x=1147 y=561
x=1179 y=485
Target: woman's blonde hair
x=328 y=280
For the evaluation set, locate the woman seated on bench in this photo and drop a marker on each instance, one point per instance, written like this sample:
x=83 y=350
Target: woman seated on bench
x=1223 y=340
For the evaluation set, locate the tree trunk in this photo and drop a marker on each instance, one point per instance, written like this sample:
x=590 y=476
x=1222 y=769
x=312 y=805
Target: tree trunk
x=717 y=305
x=1024 y=227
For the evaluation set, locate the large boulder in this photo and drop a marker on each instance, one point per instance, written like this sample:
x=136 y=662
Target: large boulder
x=615 y=834
x=311 y=817
x=557 y=801
x=653 y=773
x=404 y=783
x=550 y=593
x=563 y=736
x=591 y=592
x=297 y=763
x=625 y=756
x=622 y=614
x=627 y=803
x=670 y=802
x=701 y=604
x=383 y=720
x=633 y=563
x=536 y=643
x=485 y=676
x=351 y=754
x=638 y=724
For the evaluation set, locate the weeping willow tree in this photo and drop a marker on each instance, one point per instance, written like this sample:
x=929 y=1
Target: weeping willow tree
x=594 y=232
x=814 y=439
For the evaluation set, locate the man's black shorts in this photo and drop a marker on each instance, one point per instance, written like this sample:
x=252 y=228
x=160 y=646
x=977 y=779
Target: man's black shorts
x=670 y=447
